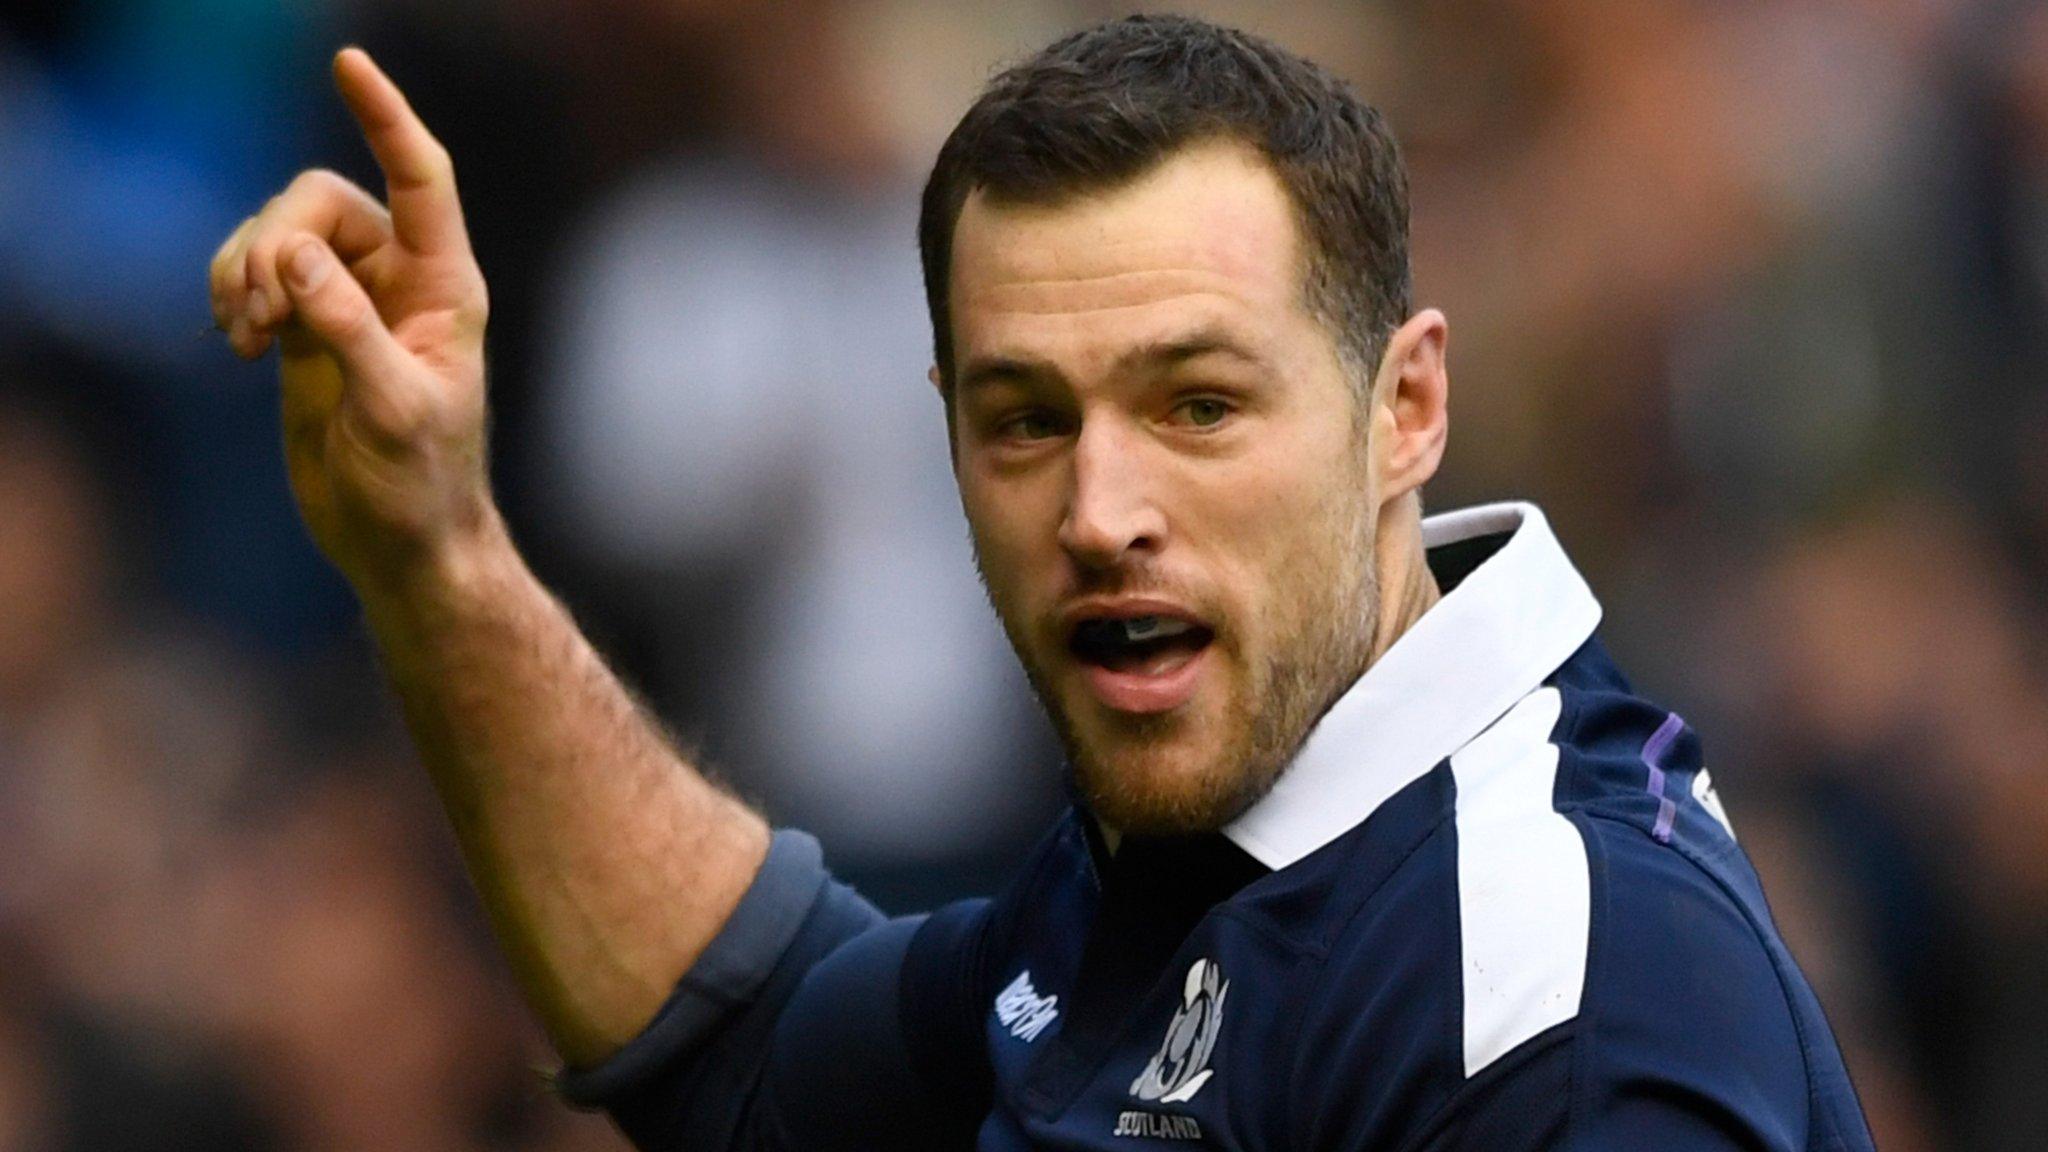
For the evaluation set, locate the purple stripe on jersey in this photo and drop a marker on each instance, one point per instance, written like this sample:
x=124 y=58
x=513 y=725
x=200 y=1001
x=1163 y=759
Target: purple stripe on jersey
x=1653 y=756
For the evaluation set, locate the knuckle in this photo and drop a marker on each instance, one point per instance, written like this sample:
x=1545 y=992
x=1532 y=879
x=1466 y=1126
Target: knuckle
x=256 y=255
x=315 y=181
x=439 y=163
x=348 y=313
x=225 y=263
x=313 y=194
x=475 y=309
x=263 y=233
x=260 y=264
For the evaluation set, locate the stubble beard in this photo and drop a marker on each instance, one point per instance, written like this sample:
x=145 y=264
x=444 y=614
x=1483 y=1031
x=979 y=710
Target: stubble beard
x=1322 y=617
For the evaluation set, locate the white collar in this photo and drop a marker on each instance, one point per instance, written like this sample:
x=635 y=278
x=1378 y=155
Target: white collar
x=1494 y=638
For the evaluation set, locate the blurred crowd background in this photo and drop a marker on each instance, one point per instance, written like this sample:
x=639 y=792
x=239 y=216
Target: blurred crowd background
x=1752 y=297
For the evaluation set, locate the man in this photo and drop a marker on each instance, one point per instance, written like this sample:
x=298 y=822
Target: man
x=1373 y=847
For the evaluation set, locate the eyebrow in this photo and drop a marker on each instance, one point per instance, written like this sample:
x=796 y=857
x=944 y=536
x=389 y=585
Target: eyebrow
x=1153 y=354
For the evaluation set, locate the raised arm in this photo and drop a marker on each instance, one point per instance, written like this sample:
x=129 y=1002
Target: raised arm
x=606 y=861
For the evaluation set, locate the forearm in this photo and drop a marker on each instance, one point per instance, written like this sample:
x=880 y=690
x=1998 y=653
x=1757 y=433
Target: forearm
x=606 y=862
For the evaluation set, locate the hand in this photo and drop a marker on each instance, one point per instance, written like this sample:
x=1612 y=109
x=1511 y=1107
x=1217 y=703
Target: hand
x=379 y=317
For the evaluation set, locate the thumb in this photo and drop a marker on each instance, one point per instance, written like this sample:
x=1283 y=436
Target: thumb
x=333 y=309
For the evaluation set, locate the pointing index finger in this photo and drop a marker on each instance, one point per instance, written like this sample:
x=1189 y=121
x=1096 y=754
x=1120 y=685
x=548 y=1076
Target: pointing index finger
x=419 y=178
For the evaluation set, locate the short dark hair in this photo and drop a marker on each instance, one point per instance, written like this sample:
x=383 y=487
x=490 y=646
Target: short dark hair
x=1103 y=106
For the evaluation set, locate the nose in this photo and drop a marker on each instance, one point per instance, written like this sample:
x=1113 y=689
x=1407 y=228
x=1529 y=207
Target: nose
x=1111 y=511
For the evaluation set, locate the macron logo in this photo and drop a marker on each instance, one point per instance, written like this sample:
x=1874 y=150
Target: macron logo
x=1023 y=1011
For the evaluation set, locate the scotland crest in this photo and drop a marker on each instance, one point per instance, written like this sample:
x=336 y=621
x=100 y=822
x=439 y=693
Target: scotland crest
x=1181 y=1066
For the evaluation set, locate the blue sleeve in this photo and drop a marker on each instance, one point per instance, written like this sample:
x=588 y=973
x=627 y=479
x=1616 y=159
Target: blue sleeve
x=794 y=1029
x=875 y=1051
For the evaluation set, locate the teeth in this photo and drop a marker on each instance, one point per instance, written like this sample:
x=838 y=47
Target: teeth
x=1142 y=628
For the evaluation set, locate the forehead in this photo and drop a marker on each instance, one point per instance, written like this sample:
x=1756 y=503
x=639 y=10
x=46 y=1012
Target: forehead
x=1206 y=238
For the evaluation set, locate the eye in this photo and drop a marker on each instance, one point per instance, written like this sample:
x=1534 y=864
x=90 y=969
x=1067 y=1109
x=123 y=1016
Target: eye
x=1203 y=411
x=1035 y=424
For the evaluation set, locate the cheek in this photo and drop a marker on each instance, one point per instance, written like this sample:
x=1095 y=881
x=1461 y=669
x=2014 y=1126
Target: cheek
x=1006 y=537
x=1277 y=533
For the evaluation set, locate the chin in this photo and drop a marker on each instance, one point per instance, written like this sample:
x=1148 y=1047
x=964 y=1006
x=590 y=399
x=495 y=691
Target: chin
x=1168 y=788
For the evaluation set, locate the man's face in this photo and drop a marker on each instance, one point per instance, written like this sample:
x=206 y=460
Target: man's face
x=1162 y=462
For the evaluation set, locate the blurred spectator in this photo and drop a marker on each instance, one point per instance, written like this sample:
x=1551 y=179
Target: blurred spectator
x=741 y=432
x=362 y=1015
x=114 y=756
x=1901 y=672
x=133 y=135
x=203 y=951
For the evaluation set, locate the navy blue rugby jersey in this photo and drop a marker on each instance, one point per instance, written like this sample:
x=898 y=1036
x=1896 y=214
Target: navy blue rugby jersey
x=1492 y=904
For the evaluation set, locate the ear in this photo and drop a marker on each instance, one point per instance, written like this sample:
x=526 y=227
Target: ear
x=1410 y=397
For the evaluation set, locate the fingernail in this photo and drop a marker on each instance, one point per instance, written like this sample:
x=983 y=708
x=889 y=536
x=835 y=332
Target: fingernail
x=308 y=266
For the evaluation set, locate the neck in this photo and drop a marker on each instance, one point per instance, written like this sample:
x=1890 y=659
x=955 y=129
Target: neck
x=1407 y=586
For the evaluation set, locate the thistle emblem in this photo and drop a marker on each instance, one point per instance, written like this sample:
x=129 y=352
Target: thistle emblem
x=1181 y=1066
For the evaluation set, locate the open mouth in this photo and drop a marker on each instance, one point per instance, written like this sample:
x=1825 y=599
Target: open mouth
x=1139 y=645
